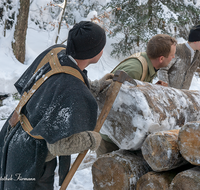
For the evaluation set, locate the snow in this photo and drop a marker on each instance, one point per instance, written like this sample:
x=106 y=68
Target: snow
x=37 y=41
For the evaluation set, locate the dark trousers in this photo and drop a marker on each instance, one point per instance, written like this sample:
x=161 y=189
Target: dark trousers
x=47 y=180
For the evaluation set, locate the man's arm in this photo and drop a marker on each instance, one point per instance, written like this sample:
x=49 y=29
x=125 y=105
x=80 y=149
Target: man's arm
x=163 y=72
x=76 y=143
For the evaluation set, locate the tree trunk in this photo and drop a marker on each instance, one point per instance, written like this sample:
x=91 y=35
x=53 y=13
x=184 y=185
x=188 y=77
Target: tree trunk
x=146 y=108
x=159 y=180
x=189 y=142
x=61 y=19
x=118 y=170
x=19 y=43
x=186 y=180
x=160 y=150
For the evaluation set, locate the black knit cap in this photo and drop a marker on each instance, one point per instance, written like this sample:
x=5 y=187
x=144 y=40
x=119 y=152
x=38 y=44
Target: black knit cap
x=85 y=40
x=194 y=34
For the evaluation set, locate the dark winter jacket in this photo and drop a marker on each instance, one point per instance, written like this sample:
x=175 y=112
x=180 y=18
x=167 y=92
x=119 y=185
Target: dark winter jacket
x=62 y=106
x=180 y=71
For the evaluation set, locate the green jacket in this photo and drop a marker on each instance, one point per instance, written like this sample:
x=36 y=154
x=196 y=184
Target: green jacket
x=133 y=68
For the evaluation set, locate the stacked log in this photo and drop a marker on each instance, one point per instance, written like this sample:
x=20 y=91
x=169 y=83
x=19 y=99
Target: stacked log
x=189 y=142
x=186 y=180
x=166 y=150
x=162 y=122
x=146 y=108
x=155 y=180
x=119 y=170
x=161 y=152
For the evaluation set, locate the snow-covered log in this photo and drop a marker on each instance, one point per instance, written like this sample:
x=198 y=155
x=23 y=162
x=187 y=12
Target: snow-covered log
x=161 y=152
x=189 y=142
x=118 y=170
x=146 y=108
x=186 y=180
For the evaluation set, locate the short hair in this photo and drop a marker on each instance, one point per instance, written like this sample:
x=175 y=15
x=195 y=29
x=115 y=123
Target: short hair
x=160 y=45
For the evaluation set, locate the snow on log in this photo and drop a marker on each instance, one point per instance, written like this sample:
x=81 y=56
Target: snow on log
x=118 y=170
x=146 y=108
x=159 y=180
x=189 y=142
x=186 y=180
x=161 y=152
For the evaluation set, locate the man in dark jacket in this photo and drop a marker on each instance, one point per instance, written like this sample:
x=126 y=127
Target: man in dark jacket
x=180 y=71
x=57 y=112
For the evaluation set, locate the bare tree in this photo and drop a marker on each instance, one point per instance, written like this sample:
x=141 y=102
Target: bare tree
x=61 y=19
x=19 y=43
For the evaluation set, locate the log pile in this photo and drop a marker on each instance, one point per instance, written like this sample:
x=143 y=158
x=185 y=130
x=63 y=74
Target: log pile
x=170 y=151
x=146 y=108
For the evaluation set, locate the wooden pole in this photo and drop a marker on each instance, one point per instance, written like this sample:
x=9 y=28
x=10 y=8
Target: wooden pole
x=110 y=98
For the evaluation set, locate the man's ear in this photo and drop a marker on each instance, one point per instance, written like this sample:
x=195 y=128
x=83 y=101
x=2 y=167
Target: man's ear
x=161 y=58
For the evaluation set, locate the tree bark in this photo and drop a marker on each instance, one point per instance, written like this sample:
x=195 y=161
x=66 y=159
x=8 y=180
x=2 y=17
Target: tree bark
x=118 y=170
x=189 y=142
x=160 y=150
x=186 y=180
x=155 y=180
x=159 y=180
x=147 y=108
x=19 y=43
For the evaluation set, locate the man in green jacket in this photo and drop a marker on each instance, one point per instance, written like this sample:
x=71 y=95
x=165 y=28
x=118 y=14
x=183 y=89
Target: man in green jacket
x=143 y=66
x=160 y=51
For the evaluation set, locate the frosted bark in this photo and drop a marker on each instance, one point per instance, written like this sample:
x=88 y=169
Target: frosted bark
x=146 y=108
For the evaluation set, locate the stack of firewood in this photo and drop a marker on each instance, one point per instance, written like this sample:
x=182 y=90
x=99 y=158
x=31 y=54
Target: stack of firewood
x=167 y=160
x=174 y=157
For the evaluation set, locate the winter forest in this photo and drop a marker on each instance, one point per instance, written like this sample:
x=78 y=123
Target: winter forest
x=28 y=27
x=133 y=23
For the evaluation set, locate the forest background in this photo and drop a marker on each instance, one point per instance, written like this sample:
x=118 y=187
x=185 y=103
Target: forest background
x=131 y=22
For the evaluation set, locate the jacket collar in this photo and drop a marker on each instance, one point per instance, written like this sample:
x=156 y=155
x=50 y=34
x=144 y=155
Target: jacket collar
x=152 y=71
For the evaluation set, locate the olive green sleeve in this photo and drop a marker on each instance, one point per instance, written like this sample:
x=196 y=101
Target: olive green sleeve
x=132 y=67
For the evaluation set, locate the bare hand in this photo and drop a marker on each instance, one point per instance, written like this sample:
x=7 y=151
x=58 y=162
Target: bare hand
x=162 y=83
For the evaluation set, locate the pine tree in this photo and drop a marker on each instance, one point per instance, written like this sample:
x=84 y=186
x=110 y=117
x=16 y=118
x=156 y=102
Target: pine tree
x=134 y=22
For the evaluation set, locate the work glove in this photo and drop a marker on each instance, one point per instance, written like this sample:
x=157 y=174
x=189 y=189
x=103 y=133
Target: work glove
x=76 y=143
x=105 y=81
x=98 y=85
